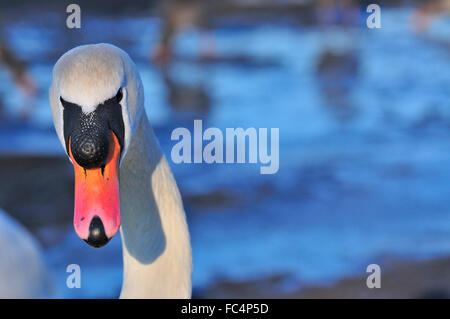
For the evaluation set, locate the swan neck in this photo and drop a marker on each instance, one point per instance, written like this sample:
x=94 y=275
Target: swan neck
x=155 y=238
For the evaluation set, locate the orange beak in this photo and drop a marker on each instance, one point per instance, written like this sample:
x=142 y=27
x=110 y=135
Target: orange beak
x=97 y=202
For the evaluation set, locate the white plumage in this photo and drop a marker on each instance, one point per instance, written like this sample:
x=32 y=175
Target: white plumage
x=22 y=270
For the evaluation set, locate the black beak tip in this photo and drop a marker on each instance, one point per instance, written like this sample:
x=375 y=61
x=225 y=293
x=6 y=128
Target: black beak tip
x=97 y=236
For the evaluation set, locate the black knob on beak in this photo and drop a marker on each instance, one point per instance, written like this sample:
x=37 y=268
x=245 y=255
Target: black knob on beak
x=88 y=134
x=90 y=150
x=97 y=236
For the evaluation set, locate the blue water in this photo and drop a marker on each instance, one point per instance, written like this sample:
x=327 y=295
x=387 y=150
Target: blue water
x=359 y=183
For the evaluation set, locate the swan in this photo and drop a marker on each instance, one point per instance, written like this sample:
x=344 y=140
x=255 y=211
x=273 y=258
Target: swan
x=122 y=180
x=22 y=271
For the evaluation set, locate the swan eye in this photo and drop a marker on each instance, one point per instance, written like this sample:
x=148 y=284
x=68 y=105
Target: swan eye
x=119 y=95
x=63 y=102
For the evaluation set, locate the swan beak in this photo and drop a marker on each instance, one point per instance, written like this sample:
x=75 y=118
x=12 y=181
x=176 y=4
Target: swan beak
x=97 y=206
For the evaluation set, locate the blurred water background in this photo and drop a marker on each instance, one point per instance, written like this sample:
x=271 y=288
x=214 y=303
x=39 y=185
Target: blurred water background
x=364 y=118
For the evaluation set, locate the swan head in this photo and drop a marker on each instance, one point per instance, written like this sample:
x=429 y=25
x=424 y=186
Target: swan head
x=96 y=99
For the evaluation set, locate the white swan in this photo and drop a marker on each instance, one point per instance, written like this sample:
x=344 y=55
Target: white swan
x=22 y=271
x=97 y=103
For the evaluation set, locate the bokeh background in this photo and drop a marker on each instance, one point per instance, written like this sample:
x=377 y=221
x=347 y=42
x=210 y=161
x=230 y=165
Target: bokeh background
x=364 y=119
